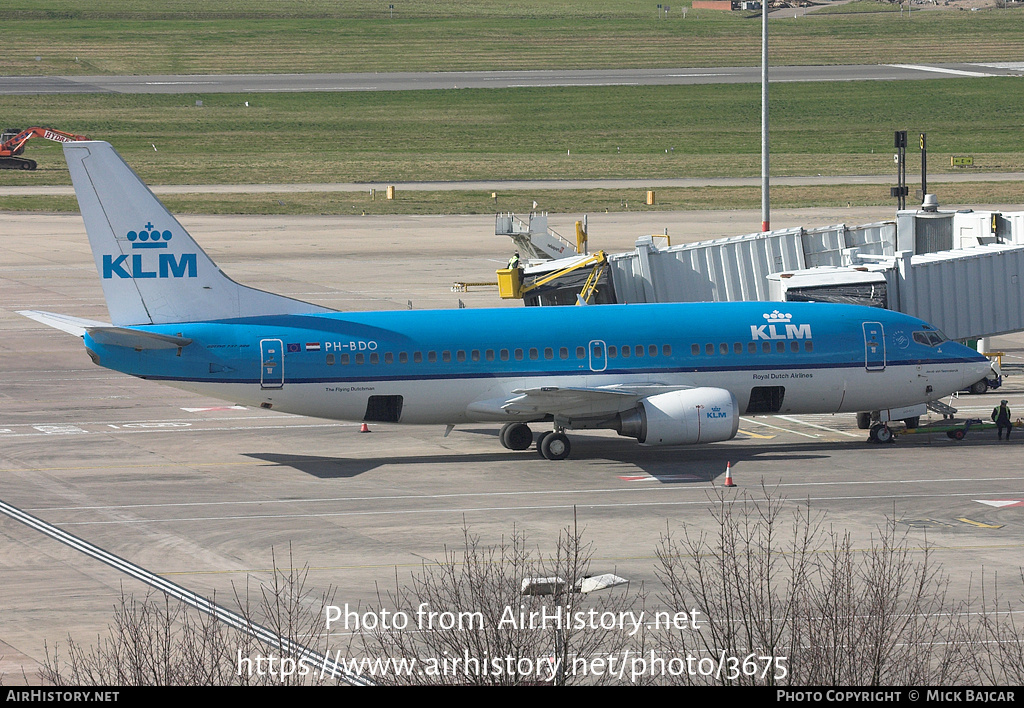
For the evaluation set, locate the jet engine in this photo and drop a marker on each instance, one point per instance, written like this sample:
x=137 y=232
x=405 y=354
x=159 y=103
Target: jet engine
x=697 y=415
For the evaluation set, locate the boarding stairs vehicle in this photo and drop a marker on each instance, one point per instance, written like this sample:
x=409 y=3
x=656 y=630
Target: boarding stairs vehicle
x=535 y=240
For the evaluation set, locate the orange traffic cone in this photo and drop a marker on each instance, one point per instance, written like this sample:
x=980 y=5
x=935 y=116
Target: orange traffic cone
x=728 y=475
x=364 y=428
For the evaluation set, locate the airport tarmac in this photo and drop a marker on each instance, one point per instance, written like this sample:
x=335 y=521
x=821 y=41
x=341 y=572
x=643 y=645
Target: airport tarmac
x=203 y=493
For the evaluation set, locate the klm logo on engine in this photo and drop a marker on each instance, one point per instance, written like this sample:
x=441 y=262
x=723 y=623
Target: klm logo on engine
x=778 y=326
x=716 y=412
x=150 y=265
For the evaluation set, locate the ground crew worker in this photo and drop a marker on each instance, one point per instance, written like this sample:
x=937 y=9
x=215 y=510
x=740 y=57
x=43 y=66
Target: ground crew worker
x=1001 y=415
x=513 y=262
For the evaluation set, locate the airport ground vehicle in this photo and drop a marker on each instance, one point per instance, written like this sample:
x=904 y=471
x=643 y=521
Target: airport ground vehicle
x=12 y=145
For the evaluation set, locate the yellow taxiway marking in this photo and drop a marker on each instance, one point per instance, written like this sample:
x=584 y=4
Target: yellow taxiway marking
x=755 y=435
x=979 y=524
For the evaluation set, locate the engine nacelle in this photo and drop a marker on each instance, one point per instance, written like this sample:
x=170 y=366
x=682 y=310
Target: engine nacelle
x=698 y=415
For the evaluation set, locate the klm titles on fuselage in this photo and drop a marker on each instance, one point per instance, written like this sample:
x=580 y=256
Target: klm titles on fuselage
x=774 y=328
x=143 y=265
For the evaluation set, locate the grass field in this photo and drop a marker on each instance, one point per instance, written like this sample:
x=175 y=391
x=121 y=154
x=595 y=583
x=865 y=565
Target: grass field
x=554 y=201
x=628 y=132
x=227 y=36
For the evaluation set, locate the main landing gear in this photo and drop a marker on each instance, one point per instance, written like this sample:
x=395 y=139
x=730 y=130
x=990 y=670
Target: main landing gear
x=551 y=445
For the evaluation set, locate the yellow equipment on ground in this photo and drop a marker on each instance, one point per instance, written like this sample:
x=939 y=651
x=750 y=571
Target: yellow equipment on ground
x=510 y=283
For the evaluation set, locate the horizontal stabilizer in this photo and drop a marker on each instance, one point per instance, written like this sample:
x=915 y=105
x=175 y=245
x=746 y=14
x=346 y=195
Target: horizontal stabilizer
x=136 y=339
x=65 y=323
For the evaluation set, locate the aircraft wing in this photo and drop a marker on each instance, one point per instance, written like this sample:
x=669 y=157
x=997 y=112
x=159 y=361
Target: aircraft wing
x=573 y=402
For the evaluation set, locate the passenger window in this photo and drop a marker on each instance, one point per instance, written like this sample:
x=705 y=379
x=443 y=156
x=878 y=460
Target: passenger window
x=360 y=359
x=446 y=356
x=808 y=346
x=737 y=348
x=518 y=354
x=389 y=358
x=723 y=348
x=626 y=352
x=794 y=346
x=403 y=358
x=330 y=360
x=375 y=358
x=534 y=354
x=752 y=347
x=766 y=347
x=563 y=352
x=460 y=355
x=504 y=354
x=652 y=350
x=709 y=349
x=432 y=357
x=780 y=347
x=581 y=353
x=694 y=349
x=489 y=355
x=597 y=351
x=475 y=355
x=639 y=350
x=549 y=353
x=344 y=359
x=417 y=357
x=666 y=350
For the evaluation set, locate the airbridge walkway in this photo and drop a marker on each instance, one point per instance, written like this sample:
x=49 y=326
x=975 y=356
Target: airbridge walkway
x=959 y=270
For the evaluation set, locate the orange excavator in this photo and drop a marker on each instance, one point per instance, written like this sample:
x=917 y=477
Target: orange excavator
x=12 y=144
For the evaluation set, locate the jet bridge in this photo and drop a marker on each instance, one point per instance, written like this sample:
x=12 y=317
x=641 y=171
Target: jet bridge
x=960 y=270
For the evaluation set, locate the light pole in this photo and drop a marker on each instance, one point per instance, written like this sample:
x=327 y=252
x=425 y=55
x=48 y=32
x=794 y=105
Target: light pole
x=765 y=209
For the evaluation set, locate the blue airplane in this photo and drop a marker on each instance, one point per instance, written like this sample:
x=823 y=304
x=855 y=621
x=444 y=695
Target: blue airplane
x=665 y=374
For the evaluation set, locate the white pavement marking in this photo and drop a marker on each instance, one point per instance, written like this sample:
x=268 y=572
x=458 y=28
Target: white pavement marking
x=815 y=425
x=776 y=427
x=942 y=70
x=1001 y=503
x=492 y=509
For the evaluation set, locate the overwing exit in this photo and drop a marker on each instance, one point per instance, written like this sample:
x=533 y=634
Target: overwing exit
x=664 y=374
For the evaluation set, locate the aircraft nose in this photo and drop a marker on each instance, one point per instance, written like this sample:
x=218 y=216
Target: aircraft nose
x=975 y=371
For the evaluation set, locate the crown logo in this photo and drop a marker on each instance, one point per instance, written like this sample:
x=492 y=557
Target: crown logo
x=777 y=316
x=150 y=237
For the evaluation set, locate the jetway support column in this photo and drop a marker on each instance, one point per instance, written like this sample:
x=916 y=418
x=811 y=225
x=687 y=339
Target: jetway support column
x=908 y=302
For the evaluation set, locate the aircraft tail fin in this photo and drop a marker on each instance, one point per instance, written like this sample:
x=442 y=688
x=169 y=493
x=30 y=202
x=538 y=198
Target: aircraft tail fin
x=151 y=269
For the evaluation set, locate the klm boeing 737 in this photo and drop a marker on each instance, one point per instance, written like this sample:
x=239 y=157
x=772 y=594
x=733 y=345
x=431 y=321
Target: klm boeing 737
x=665 y=374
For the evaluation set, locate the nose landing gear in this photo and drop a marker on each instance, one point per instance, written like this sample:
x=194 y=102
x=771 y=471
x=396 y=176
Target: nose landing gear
x=880 y=433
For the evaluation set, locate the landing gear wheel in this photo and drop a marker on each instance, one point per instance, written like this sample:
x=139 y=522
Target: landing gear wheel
x=912 y=423
x=864 y=420
x=555 y=446
x=516 y=436
x=979 y=387
x=540 y=441
x=881 y=434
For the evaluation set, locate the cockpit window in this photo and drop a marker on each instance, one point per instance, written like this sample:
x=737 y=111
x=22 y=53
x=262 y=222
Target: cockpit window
x=929 y=339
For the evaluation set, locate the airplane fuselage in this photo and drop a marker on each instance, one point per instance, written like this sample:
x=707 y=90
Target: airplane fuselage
x=447 y=366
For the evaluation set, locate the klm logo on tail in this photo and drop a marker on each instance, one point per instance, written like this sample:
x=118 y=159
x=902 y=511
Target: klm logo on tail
x=144 y=265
